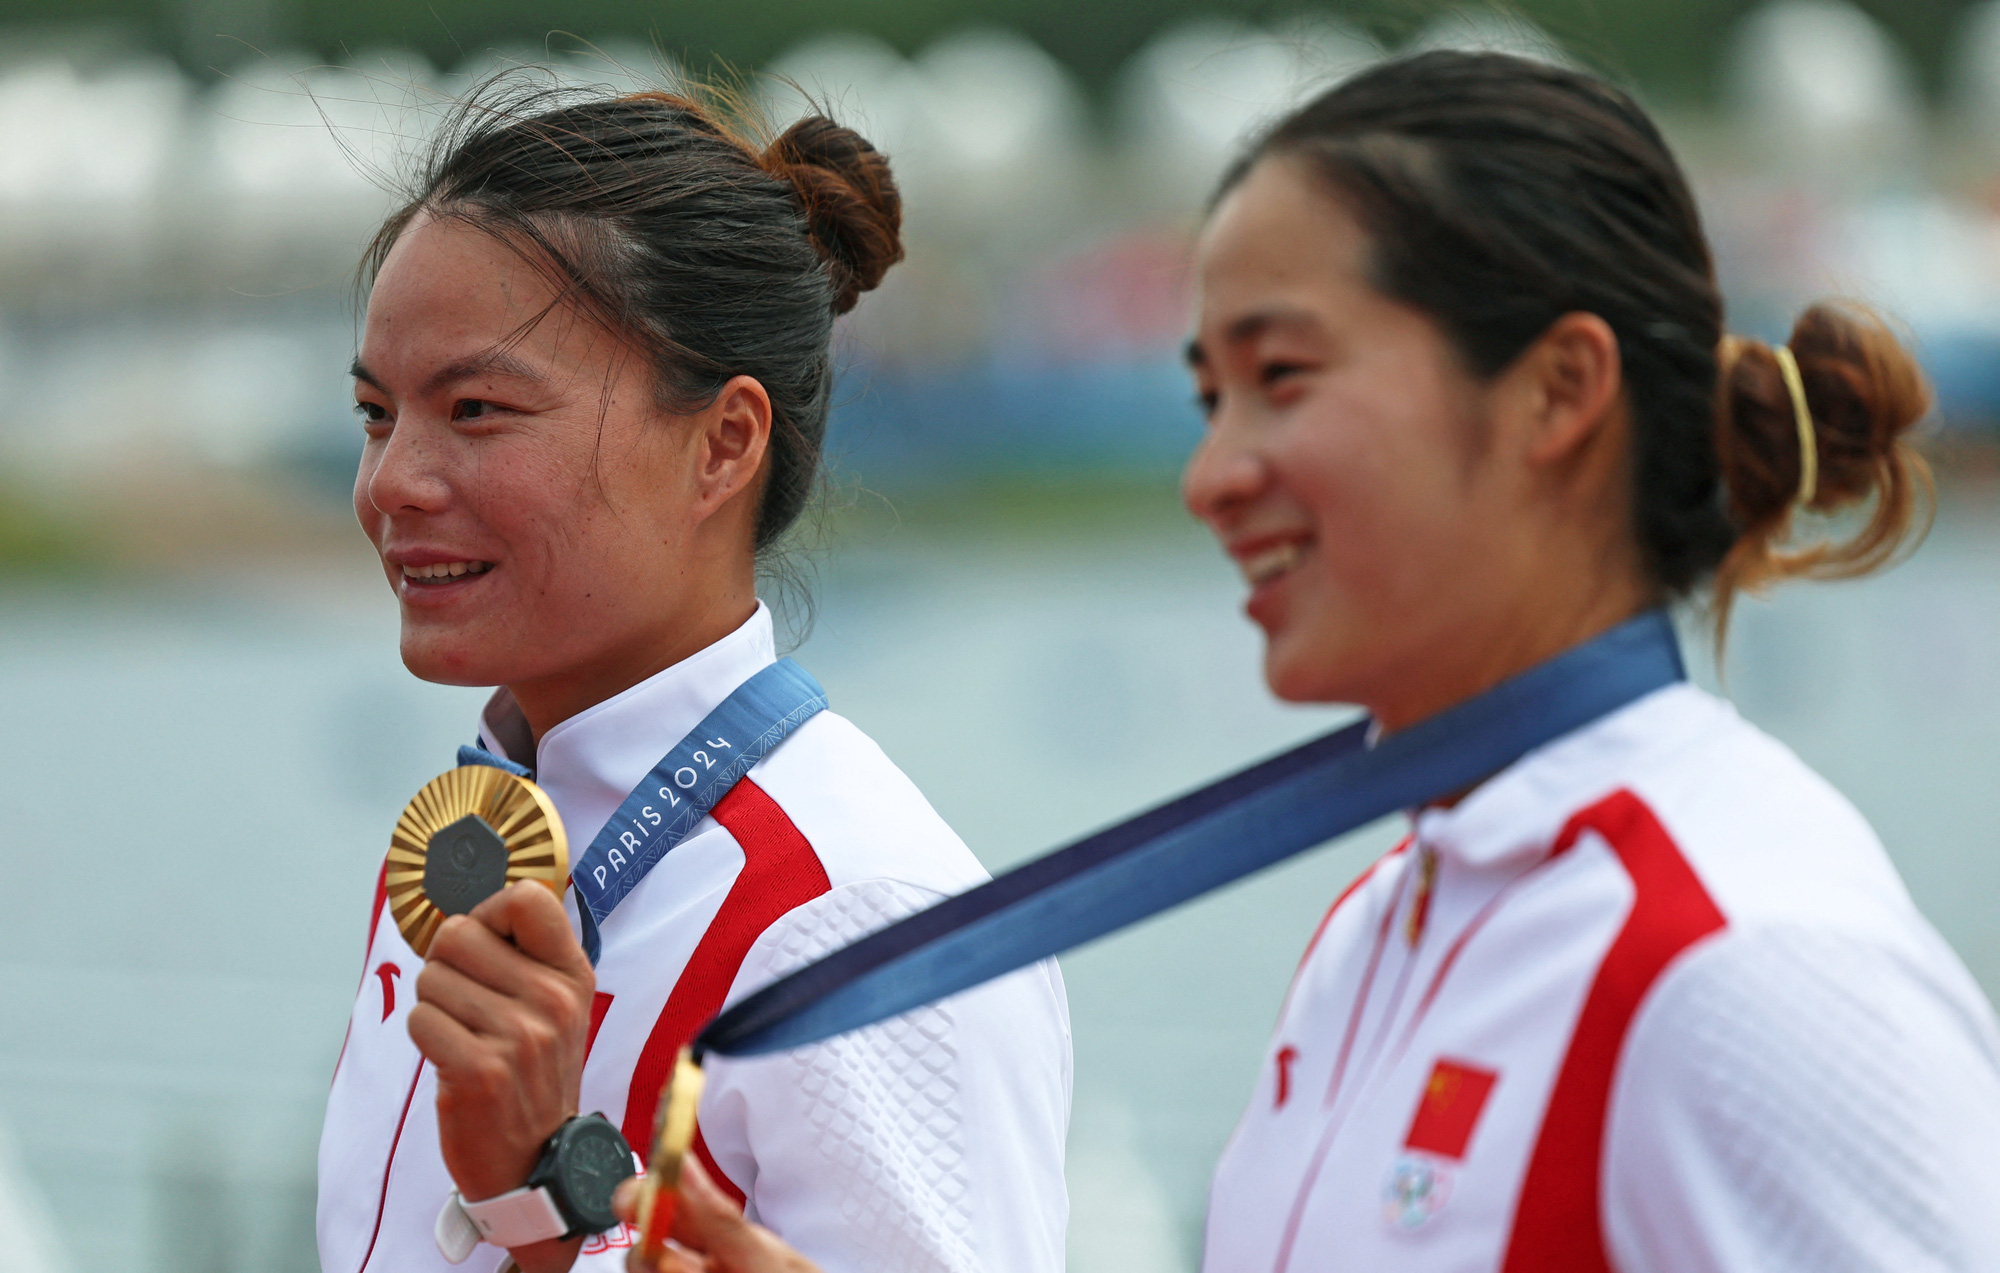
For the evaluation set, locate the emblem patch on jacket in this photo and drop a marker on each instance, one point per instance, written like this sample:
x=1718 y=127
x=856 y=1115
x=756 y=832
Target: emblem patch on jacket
x=1420 y=1180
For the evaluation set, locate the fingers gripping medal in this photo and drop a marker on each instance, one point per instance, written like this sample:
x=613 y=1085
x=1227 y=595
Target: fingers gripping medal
x=468 y=834
x=673 y=1136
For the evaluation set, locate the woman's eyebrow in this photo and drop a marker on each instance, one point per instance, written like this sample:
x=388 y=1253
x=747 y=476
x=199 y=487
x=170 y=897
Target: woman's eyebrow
x=1279 y=317
x=496 y=362
x=1248 y=327
x=492 y=362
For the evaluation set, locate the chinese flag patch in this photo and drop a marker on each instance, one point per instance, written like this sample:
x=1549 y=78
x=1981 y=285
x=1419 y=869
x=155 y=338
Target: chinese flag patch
x=1453 y=1098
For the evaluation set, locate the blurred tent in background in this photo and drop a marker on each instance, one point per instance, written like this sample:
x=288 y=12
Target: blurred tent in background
x=1189 y=98
x=1823 y=88
x=178 y=240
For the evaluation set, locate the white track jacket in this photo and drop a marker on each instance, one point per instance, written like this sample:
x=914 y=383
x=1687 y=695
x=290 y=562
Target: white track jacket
x=930 y=1142
x=1651 y=1000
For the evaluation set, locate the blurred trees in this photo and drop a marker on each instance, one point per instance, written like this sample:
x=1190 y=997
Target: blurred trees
x=1672 y=48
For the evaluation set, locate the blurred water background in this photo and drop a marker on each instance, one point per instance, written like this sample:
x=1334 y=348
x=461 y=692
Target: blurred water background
x=207 y=732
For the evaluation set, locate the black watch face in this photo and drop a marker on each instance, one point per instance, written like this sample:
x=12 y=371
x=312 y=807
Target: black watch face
x=591 y=1163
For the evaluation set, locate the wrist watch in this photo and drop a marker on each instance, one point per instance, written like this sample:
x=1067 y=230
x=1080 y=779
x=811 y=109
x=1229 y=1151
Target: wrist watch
x=567 y=1195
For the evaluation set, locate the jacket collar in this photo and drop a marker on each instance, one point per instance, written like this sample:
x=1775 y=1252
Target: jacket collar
x=1523 y=808
x=589 y=763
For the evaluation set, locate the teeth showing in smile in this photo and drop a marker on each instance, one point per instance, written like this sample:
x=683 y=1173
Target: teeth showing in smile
x=1272 y=562
x=447 y=570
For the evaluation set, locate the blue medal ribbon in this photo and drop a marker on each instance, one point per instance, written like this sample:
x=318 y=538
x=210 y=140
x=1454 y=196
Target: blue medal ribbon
x=679 y=792
x=1192 y=845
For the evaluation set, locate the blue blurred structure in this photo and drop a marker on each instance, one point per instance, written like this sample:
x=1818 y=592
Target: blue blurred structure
x=1964 y=366
x=899 y=428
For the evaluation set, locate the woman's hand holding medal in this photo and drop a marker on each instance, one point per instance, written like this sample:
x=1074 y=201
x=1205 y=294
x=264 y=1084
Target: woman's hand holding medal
x=503 y=1013
x=710 y=1233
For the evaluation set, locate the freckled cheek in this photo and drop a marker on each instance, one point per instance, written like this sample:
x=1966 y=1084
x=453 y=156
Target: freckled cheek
x=559 y=559
x=514 y=501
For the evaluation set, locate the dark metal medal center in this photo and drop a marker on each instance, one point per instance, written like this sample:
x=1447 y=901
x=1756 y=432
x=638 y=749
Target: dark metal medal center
x=464 y=864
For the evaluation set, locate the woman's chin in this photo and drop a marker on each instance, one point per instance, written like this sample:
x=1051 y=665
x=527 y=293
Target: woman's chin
x=1290 y=678
x=1298 y=670
x=451 y=660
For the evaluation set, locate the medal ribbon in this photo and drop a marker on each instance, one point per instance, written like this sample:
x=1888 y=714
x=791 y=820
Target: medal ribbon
x=683 y=787
x=1199 y=842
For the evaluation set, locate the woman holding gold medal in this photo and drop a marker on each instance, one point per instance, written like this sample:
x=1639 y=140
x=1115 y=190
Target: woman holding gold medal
x=594 y=380
x=1640 y=991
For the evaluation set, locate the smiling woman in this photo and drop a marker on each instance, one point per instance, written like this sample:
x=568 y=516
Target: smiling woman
x=594 y=379
x=1649 y=996
x=531 y=508
x=1652 y=997
x=516 y=291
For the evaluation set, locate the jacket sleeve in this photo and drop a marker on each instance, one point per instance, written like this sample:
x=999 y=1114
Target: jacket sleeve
x=1796 y=1100
x=933 y=1141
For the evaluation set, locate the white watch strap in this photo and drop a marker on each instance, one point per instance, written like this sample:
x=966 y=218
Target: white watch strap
x=512 y=1219
x=455 y=1232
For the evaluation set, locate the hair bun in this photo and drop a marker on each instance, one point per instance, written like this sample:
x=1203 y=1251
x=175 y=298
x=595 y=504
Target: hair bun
x=853 y=210
x=1865 y=393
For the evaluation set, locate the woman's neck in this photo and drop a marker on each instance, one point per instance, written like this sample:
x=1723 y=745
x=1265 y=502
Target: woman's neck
x=1475 y=657
x=548 y=701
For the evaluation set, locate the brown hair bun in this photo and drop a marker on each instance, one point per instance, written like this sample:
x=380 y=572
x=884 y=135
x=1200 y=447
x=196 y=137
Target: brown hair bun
x=1865 y=392
x=853 y=210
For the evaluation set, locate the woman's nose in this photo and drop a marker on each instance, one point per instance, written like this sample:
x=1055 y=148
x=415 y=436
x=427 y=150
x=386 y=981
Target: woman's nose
x=408 y=475
x=1221 y=476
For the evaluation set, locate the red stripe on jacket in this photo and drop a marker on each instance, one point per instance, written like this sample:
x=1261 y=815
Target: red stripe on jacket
x=375 y=912
x=780 y=873
x=1559 y=1223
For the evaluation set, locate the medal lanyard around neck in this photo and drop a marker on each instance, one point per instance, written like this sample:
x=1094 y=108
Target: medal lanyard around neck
x=1208 y=838
x=688 y=782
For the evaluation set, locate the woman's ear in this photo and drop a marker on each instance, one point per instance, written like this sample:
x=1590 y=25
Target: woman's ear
x=734 y=432
x=1569 y=384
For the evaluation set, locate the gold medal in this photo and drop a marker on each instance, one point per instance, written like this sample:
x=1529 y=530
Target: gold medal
x=468 y=834
x=673 y=1137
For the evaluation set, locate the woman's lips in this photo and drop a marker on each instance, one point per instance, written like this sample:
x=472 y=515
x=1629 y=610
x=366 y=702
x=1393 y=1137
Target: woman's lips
x=1266 y=567
x=1265 y=556
x=444 y=571
x=1266 y=564
x=438 y=583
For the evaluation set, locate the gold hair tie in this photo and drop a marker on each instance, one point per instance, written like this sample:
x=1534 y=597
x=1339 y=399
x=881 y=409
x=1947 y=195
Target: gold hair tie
x=1788 y=366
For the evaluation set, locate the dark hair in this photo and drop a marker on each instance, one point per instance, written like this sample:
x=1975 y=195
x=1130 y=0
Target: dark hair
x=716 y=257
x=1501 y=193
